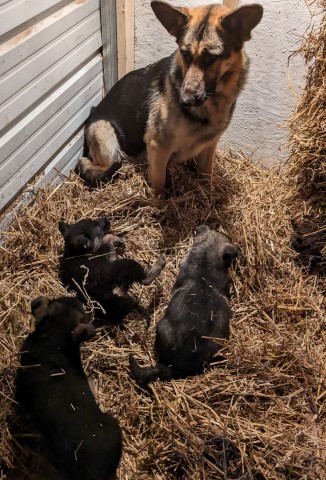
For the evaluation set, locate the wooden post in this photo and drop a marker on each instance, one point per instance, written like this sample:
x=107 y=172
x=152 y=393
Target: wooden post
x=109 y=40
x=125 y=36
x=231 y=3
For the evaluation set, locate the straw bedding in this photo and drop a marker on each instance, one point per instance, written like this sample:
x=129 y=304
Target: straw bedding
x=307 y=163
x=261 y=415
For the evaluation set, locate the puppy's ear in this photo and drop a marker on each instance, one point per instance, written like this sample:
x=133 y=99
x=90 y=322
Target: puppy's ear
x=242 y=20
x=83 y=332
x=200 y=229
x=39 y=308
x=63 y=227
x=104 y=223
x=230 y=252
x=172 y=18
x=107 y=224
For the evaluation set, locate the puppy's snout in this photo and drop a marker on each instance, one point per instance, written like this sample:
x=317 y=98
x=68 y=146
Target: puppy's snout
x=83 y=243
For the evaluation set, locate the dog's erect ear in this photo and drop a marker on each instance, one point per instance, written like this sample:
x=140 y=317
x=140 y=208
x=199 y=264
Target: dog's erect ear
x=39 y=307
x=104 y=223
x=173 y=19
x=83 y=332
x=242 y=20
x=63 y=227
x=230 y=252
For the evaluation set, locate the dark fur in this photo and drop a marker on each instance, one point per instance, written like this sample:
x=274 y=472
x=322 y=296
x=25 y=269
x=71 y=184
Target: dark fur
x=198 y=308
x=178 y=107
x=90 y=267
x=51 y=386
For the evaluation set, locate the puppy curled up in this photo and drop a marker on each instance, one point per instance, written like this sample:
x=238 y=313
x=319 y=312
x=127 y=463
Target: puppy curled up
x=90 y=266
x=83 y=442
x=198 y=312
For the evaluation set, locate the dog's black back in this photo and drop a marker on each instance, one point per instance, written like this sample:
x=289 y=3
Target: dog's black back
x=52 y=388
x=127 y=105
x=198 y=308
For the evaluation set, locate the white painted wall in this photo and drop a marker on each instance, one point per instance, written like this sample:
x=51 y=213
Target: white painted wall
x=267 y=100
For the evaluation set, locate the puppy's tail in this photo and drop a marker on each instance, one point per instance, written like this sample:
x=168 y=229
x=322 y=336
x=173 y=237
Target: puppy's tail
x=104 y=152
x=145 y=375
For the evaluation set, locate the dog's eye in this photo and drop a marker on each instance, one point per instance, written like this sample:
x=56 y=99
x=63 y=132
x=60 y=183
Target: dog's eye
x=209 y=58
x=186 y=55
x=97 y=229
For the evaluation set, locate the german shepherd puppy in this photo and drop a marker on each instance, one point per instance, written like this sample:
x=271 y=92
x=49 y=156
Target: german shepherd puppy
x=198 y=312
x=91 y=267
x=51 y=386
x=178 y=107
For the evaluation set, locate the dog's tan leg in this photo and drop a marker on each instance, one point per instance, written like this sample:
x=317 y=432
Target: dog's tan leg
x=205 y=160
x=158 y=158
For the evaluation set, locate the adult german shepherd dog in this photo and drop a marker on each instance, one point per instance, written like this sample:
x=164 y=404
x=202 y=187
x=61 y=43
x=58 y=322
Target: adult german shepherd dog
x=178 y=107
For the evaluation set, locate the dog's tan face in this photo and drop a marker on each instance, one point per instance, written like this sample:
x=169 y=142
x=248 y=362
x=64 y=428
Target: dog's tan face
x=210 y=40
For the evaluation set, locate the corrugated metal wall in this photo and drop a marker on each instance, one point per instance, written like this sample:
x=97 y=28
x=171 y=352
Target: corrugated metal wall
x=50 y=75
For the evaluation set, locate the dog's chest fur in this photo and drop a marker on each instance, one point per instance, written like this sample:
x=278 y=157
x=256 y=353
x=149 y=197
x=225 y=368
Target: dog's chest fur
x=185 y=131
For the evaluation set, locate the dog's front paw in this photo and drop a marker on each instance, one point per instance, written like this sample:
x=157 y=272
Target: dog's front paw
x=158 y=191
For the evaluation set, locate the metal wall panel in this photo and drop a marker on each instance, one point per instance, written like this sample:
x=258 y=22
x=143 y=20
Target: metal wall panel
x=18 y=12
x=51 y=74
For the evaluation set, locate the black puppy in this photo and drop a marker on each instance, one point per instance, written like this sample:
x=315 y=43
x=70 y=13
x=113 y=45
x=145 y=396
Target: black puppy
x=198 y=308
x=90 y=267
x=51 y=386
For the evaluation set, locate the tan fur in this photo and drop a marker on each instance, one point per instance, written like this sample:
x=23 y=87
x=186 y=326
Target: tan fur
x=197 y=13
x=186 y=144
x=171 y=133
x=101 y=142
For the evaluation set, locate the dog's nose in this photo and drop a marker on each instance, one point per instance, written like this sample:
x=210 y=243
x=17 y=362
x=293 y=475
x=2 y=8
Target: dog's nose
x=192 y=99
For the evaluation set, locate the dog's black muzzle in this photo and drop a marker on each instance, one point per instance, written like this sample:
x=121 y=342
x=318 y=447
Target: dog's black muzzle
x=192 y=100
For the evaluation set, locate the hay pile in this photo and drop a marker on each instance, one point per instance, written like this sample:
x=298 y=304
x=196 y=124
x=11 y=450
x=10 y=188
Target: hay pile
x=260 y=416
x=306 y=167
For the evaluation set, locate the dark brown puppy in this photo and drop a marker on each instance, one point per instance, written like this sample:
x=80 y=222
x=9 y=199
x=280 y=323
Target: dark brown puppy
x=51 y=386
x=90 y=267
x=198 y=310
x=179 y=107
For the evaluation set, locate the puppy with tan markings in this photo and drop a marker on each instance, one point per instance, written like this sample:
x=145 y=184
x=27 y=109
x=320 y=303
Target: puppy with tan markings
x=198 y=312
x=179 y=107
x=51 y=386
